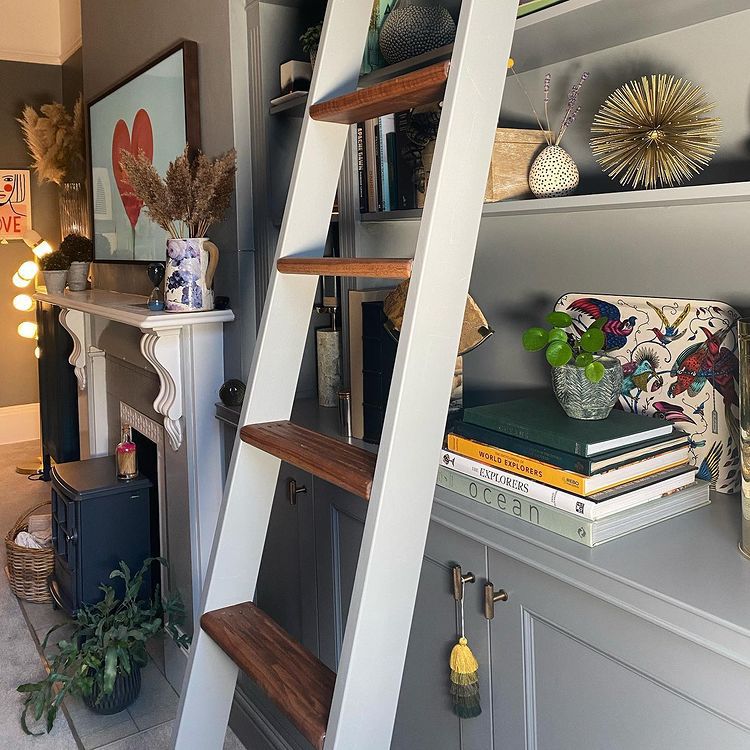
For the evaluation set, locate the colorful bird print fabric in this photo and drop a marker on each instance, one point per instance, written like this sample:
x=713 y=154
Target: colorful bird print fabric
x=679 y=360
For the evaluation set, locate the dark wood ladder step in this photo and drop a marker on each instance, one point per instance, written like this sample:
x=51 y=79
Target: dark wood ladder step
x=375 y=268
x=339 y=463
x=422 y=86
x=290 y=675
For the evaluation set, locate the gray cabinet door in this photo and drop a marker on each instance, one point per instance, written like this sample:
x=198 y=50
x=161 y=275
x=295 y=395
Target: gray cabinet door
x=571 y=670
x=425 y=720
x=286 y=580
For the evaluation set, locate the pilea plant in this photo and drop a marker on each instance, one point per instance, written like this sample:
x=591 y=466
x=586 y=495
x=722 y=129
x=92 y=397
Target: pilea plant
x=563 y=346
x=311 y=38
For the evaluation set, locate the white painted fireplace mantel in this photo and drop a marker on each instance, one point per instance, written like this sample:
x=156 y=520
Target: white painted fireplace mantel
x=187 y=352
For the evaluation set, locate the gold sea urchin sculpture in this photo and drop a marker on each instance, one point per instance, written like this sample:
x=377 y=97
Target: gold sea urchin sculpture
x=654 y=133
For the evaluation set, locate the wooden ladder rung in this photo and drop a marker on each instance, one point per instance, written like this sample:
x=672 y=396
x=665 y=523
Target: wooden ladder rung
x=375 y=268
x=422 y=86
x=339 y=463
x=290 y=675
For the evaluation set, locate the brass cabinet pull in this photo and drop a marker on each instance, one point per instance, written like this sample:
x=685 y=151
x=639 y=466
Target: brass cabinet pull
x=293 y=491
x=490 y=597
x=459 y=580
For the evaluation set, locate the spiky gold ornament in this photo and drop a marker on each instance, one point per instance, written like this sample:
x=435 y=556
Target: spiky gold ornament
x=654 y=133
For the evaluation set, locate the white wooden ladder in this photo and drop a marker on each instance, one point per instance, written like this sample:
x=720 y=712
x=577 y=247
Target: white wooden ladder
x=355 y=709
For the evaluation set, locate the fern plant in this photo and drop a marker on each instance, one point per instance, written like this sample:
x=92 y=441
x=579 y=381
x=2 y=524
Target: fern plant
x=562 y=346
x=105 y=639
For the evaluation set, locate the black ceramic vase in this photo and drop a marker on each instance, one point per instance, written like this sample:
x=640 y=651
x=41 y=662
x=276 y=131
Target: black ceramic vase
x=414 y=27
x=232 y=392
x=126 y=689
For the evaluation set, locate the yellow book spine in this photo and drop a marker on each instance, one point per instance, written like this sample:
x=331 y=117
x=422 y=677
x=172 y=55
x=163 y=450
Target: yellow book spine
x=521 y=465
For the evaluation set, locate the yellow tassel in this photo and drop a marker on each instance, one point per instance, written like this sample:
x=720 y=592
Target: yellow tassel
x=462 y=660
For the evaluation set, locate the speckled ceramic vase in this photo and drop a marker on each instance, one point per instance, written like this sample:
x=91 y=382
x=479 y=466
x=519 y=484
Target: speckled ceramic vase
x=553 y=173
x=414 y=27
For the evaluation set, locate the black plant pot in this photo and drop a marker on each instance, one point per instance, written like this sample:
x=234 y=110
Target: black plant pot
x=126 y=689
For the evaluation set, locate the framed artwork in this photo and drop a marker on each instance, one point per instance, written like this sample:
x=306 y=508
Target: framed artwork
x=15 y=203
x=679 y=357
x=153 y=111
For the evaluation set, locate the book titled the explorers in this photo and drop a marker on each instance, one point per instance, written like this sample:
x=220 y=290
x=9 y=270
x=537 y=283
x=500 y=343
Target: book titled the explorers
x=597 y=506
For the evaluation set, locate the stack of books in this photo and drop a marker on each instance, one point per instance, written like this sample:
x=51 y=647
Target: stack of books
x=590 y=481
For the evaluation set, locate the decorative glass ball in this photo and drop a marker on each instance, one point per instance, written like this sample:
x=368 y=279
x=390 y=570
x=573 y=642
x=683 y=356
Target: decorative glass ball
x=232 y=393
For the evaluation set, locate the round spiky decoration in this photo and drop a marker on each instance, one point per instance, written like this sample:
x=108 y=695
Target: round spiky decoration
x=654 y=132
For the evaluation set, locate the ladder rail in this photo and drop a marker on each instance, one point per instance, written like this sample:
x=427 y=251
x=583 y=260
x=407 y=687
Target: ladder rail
x=374 y=649
x=241 y=528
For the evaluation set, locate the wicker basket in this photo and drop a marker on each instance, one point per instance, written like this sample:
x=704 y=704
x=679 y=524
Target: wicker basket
x=28 y=569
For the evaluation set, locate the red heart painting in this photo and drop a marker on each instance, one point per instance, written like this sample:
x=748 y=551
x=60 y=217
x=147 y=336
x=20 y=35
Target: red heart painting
x=141 y=141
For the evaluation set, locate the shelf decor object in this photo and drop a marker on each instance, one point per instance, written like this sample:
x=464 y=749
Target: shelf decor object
x=679 y=358
x=194 y=194
x=654 y=133
x=513 y=153
x=553 y=173
x=585 y=380
x=414 y=27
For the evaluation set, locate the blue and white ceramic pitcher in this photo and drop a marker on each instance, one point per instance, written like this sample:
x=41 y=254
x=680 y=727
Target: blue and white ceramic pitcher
x=191 y=264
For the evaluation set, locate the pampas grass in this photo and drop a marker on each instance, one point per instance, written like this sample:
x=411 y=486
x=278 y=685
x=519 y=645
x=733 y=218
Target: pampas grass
x=54 y=138
x=194 y=194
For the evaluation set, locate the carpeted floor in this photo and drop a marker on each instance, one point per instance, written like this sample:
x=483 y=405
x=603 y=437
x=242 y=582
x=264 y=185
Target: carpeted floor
x=18 y=654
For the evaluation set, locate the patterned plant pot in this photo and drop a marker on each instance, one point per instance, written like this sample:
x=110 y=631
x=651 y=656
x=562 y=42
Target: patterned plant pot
x=414 y=27
x=55 y=281
x=78 y=276
x=582 y=399
x=553 y=173
x=126 y=689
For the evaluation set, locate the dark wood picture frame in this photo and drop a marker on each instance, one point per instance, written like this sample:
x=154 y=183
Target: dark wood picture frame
x=192 y=116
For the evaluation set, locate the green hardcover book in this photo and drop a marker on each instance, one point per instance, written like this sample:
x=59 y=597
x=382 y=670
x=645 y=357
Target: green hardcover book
x=581 y=530
x=542 y=420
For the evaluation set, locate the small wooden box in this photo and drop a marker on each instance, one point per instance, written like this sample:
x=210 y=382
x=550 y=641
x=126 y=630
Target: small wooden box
x=512 y=155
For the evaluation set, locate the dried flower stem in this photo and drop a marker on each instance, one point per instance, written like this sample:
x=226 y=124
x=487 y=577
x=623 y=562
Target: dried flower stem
x=531 y=104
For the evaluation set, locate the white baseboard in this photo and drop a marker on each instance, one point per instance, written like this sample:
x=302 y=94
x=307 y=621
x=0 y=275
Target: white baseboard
x=19 y=423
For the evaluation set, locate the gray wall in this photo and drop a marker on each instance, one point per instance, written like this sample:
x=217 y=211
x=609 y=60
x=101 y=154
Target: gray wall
x=119 y=38
x=524 y=263
x=23 y=83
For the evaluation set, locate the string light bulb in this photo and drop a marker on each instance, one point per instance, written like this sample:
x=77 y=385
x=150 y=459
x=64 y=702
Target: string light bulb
x=19 y=282
x=37 y=352
x=23 y=302
x=28 y=270
x=27 y=329
x=38 y=246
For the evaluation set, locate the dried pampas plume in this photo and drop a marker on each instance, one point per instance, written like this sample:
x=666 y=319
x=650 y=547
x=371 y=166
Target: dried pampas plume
x=54 y=139
x=653 y=132
x=194 y=194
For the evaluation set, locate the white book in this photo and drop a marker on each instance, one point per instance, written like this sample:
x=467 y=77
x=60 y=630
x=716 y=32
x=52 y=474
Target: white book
x=594 y=507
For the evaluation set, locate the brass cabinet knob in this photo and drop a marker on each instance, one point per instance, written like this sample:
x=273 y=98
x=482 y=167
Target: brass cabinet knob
x=293 y=491
x=459 y=580
x=490 y=597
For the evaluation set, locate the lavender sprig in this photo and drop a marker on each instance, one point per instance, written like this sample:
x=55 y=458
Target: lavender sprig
x=572 y=108
x=512 y=69
x=547 y=80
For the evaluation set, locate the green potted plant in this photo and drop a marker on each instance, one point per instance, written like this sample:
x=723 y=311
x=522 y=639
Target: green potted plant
x=55 y=267
x=101 y=659
x=585 y=379
x=80 y=252
x=310 y=41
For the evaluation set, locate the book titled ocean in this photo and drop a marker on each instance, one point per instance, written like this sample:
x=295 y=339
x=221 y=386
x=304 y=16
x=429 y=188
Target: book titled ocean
x=569 y=525
x=542 y=420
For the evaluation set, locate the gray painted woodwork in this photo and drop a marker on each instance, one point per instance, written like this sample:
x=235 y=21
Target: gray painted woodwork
x=639 y=644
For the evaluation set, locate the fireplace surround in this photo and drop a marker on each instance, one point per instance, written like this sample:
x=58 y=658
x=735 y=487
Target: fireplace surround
x=159 y=372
